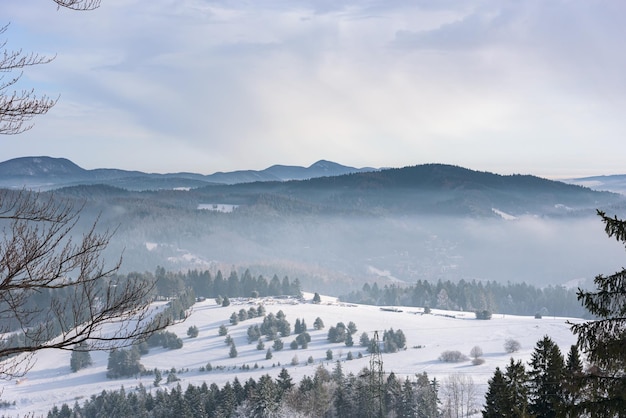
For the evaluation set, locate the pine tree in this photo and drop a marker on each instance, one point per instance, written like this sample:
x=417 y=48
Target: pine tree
x=157 y=377
x=517 y=382
x=408 y=401
x=233 y=351
x=265 y=398
x=284 y=381
x=497 y=399
x=80 y=357
x=572 y=378
x=546 y=375
x=603 y=341
x=318 y=324
x=317 y=298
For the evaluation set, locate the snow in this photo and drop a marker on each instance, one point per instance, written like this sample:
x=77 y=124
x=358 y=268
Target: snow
x=504 y=215
x=218 y=207
x=51 y=382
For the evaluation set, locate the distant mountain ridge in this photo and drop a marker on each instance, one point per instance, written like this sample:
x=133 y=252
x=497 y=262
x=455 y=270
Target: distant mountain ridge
x=50 y=173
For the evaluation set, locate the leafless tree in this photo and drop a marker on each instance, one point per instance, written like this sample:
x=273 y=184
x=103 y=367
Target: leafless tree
x=19 y=107
x=458 y=396
x=55 y=290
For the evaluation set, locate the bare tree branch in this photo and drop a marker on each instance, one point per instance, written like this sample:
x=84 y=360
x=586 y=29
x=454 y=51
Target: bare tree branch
x=56 y=291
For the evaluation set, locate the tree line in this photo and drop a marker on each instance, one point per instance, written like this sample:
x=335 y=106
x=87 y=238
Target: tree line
x=477 y=296
x=326 y=393
x=209 y=285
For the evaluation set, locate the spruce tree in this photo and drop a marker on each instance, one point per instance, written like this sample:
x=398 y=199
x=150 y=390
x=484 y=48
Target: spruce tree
x=603 y=341
x=408 y=400
x=80 y=357
x=284 y=381
x=497 y=399
x=546 y=376
x=517 y=381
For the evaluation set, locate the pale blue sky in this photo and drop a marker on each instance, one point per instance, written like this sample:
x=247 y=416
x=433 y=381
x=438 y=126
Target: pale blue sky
x=533 y=87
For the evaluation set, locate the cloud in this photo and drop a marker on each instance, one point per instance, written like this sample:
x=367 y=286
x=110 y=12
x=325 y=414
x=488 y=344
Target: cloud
x=495 y=85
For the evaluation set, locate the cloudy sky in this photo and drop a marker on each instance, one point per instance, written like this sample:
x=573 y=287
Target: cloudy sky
x=509 y=86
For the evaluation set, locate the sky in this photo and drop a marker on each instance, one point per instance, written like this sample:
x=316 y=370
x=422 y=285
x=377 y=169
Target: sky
x=507 y=86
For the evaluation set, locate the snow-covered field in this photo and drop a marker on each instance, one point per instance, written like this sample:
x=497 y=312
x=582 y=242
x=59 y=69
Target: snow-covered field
x=51 y=382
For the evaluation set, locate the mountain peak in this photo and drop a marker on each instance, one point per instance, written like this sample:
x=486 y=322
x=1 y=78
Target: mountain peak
x=39 y=166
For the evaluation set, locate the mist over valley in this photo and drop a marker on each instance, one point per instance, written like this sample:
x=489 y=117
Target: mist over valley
x=344 y=227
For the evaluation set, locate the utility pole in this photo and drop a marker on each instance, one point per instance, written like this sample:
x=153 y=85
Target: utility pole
x=377 y=395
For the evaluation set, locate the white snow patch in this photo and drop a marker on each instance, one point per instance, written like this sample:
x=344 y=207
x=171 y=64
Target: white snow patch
x=383 y=273
x=50 y=382
x=504 y=215
x=217 y=207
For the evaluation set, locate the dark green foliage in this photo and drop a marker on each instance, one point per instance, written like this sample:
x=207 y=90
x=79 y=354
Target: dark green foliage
x=483 y=314
x=233 y=351
x=222 y=331
x=364 y=340
x=242 y=315
x=337 y=334
x=603 y=341
x=547 y=369
x=318 y=324
x=507 y=393
x=124 y=363
x=254 y=333
x=284 y=381
x=268 y=354
x=497 y=401
x=303 y=340
x=329 y=354
x=393 y=341
x=192 y=331
x=165 y=339
x=275 y=324
x=481 y=297
x=278 y=344
x=349 y=341
x=80 y=357
x=317 y=298
x=157 y=378
x=326 y=394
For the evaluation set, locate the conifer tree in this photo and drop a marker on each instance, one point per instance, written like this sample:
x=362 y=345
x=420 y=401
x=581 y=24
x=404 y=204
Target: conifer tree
x=80 y=357
x=603 y=341
x=497 y=398
x=409 y=403
x=284 y=381
x=546 y=376
x=265 y=398
x=517 y=380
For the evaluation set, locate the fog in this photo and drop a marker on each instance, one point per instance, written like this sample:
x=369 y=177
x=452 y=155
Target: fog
x=339 y=253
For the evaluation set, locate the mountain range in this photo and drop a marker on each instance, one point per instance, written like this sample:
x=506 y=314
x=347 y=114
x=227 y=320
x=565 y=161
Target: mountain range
x=433 y=221
x=46 y=173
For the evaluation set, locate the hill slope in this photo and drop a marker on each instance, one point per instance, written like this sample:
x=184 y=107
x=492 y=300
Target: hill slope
x=51 y=382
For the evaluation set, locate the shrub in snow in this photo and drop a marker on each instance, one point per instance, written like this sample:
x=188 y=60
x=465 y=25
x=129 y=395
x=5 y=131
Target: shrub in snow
x=452 y=356
x=511 y=345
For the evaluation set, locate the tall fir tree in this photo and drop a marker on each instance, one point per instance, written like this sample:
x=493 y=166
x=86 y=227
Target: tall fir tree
x=516 y=379
x=546 y=393
x=603 y=341
x=80 y=357
x=497 y=398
